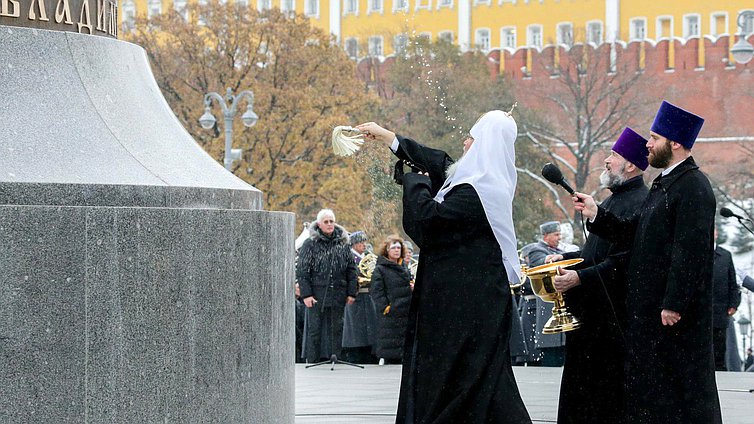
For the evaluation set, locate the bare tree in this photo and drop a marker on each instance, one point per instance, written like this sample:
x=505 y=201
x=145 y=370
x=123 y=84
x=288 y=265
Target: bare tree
x=589 y=102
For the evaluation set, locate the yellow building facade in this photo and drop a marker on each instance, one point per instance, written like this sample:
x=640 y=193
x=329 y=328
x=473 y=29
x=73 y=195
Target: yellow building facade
x=381 y=27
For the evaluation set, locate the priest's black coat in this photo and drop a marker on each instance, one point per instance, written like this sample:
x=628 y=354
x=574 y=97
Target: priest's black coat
x=591 y=390
x=456 y=364
x=670 y=372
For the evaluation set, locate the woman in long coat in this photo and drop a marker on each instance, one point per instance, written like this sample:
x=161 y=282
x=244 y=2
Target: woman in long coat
x=456 y=363
x=391 y=292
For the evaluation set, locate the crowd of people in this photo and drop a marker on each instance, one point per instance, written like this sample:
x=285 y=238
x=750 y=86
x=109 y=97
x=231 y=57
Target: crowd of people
x=654 y=293
x=344 y=312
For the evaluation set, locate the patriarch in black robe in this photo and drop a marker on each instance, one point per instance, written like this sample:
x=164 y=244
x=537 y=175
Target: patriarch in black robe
x=456 y=364
x=670 y=371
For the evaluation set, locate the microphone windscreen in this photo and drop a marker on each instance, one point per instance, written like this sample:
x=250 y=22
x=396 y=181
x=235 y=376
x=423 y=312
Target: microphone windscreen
x=552 y=173
x=727 y=213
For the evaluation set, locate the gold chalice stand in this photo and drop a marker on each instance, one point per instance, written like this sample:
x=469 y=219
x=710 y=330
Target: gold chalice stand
x=541 y=278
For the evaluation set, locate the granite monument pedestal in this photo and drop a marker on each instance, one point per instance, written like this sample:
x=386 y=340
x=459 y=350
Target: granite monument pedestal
x=139 y=280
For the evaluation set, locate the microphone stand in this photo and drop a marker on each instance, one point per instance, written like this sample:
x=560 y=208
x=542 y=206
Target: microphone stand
x=333 y=357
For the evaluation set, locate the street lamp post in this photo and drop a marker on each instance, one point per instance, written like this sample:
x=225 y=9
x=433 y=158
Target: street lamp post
x=229 y=104
x=743 y=51
x=743 y=326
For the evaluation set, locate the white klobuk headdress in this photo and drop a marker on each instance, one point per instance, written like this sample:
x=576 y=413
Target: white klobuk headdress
x=489 y=166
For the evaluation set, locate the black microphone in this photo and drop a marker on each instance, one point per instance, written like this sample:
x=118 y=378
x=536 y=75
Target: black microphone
x=727 y=213
x=552 y=174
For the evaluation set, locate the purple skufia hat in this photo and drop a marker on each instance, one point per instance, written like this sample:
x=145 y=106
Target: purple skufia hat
x=677 y=125
x=633 y=148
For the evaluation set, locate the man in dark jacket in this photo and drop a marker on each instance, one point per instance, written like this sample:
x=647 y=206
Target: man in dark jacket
x=725 y=300
x=326 y=275
x=591 y=390
x=670 y=374
x=543 y=349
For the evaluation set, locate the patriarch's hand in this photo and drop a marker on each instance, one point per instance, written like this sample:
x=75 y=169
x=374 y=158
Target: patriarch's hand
x=376 y=133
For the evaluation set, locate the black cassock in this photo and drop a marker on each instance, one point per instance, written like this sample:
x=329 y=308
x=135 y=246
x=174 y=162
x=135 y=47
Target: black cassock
x=456 y=364
x=591 y=390
x=670 y=373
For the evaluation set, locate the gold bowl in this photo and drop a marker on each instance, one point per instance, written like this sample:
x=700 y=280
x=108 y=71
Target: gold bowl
x=541 y=278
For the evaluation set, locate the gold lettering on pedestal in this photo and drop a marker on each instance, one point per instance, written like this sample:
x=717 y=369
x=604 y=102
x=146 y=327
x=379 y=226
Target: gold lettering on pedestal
x=115 y=19
x=10 y=8
x=101 y=15
x=63 y=12
x=85 y=21
x=42 y=11
x=112 y=27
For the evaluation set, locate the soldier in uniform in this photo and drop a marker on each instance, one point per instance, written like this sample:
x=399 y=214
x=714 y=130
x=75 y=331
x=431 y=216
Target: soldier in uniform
x=360 y=319
x=535 y=312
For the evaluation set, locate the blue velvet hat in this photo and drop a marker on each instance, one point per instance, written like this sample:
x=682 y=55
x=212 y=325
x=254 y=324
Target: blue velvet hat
x=677 y=125
x=633 y=148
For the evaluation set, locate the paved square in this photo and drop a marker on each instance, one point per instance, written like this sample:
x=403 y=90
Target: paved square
x=370 y=396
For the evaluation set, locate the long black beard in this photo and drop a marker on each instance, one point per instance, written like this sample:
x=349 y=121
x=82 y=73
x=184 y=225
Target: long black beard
x=661 y=158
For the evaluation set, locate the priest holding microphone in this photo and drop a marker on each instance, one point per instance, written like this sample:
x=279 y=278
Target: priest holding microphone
x=670 y=374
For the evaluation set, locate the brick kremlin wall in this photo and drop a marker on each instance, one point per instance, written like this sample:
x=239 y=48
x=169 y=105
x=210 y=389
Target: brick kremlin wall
x=701 y=79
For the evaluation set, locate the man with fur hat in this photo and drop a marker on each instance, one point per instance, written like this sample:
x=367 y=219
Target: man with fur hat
x=360 y=319
x=670 y=373
x=326 y=275
x=548 y=349
x=591 y=390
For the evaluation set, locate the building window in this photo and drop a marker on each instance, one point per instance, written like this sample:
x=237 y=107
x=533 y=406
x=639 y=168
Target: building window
x=444 y=3
x=594 y=32
x=508 y=37
x=506 y=1
x=482 y=39
x=748 y=27
x=446 y=36
x=664 y=27
x=718 y=23
x=241 y=3
x=312 y=8
x=400 y=42
x=180 y=7
x=350 y=7
x=154 y=8
x=264 y=5
x=691 y=26
x=477 y=2
x=565 y=34
x=638 y=29
x=288 y=6
x=375 y=6
x=129 y=14
x=423 y=4
x=534 y=36
x=400 y=5
x=352 y=48
x=375 y=46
